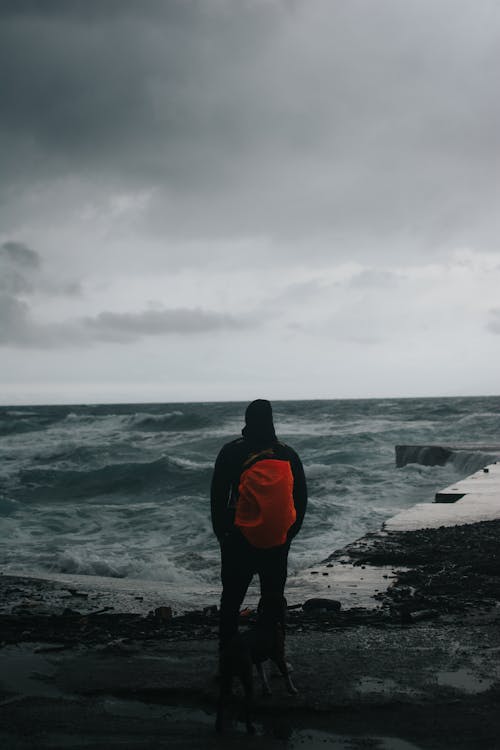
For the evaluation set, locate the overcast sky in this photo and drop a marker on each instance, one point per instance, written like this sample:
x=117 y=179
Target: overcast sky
x=212 y=200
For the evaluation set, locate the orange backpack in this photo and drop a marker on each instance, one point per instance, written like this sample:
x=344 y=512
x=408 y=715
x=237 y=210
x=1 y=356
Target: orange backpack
x=265 y=510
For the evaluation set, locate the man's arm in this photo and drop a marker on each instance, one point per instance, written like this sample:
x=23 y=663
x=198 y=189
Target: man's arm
x=219 y=495
x=299 y=494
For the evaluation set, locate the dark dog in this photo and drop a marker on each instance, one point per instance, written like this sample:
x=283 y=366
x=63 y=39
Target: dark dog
x=265 y=640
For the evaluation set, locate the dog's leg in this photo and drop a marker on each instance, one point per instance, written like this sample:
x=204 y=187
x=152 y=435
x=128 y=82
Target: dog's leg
x=282 y=666
x=219 y=720
x=225 y=692
x=247 y=682
x=266 y=689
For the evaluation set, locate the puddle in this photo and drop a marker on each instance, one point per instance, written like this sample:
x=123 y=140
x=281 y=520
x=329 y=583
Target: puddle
x=395 y=743
x=314 y=740
x=117 y=707
x=270 y=734
x=385 y=687
x=376 y=685
x=26 y=674
x=467 y=682
x=352 y=585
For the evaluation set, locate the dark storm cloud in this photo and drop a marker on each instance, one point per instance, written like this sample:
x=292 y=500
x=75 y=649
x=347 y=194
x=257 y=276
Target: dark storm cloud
x=18 y=267
x=18 y=254
x=21 y=273
x=133 y=85
x=374 y=125
x=19 y=278
x=15 y=324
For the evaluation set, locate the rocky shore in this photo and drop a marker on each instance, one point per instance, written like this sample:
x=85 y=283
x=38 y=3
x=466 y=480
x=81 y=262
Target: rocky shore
x=420 y=668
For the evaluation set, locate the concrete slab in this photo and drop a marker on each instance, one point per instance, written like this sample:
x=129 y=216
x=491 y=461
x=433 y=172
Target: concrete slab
x=471 y=500
x=486 y=481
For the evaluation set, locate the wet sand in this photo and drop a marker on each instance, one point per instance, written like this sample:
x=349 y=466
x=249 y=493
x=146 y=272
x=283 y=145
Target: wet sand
x=418 y=668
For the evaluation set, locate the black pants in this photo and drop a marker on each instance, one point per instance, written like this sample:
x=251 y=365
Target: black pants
x=239 y=562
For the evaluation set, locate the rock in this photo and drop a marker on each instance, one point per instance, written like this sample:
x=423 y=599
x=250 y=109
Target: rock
x=68 y=612
x=163 y=613
x=74 y=592
x=318 y=604
x=423 y=614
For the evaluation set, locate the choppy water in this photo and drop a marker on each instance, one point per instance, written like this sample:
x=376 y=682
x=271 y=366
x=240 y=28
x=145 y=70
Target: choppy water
x=122 y=490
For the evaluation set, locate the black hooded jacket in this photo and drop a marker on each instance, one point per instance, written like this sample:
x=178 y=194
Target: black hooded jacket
x=258 y=435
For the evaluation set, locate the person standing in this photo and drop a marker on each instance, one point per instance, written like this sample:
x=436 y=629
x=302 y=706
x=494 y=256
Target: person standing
x=258 y=502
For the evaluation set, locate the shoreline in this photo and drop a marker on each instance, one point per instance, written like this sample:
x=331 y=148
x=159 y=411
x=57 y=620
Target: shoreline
x=429 y=573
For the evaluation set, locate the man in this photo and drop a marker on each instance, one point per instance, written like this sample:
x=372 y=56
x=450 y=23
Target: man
x=240 y=558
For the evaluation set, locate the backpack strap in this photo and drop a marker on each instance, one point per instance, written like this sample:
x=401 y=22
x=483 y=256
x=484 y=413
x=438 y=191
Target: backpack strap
x=252 y=458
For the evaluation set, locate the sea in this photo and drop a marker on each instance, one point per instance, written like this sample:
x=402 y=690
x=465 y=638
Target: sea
x=120 y=492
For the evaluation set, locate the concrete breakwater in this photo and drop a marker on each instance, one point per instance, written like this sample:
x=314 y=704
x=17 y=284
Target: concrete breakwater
x=473 y=499
x=467 y=457
x=461 y=523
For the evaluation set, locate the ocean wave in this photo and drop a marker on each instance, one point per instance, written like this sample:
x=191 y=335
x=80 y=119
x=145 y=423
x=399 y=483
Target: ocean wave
x=18 y=425
x=121 y=562
x=81 y=563
x=12 y=423
x=20 y=413
x=444 y=409
x=188 y=463
x=68 y=454
x=8 y=506
x=73 y=417
x=469 y=462
x=315 y=471
x=170 y=421
x=95 y=421
x=122 y=479
x=351 y=459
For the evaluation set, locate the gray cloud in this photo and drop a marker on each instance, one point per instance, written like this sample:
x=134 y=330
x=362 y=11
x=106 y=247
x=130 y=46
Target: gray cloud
x=372 y=278
x=129 y=326
x=18 y=254
x=20 y=278
x=19 y=328
x=21 y=273
x=14 y=283
x=18 y=267
x=15 y=324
